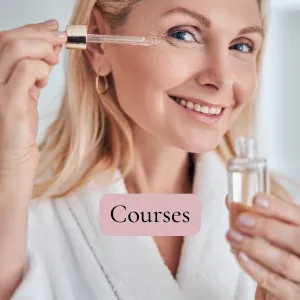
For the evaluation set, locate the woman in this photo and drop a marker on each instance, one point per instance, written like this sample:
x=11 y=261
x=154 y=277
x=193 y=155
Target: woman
x=140 y=103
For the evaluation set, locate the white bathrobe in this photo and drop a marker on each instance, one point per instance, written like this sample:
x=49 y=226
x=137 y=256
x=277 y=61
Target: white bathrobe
x=70 y=259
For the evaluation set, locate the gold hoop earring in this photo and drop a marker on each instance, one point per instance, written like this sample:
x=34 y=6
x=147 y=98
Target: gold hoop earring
x=104 y=91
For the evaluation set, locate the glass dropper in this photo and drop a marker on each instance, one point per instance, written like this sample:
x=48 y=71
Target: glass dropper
x=77 y=37
x=114 y=39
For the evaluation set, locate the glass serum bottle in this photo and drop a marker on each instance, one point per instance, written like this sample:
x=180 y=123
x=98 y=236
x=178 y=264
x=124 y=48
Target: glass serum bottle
x=247 y=176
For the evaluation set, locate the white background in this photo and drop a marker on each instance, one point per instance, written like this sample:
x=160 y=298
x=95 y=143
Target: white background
x=279 y=103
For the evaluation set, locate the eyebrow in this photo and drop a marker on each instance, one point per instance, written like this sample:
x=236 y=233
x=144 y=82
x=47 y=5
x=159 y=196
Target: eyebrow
x=200 y=18
x=253 y=29
x=206 y=22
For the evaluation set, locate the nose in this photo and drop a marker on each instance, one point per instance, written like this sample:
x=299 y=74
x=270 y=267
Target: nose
x=217 y=72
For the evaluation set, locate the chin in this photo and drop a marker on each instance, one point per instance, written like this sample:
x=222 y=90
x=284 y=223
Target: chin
x=200 y=145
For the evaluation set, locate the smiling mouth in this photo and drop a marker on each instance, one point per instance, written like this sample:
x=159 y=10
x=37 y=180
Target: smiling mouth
x=203 y=109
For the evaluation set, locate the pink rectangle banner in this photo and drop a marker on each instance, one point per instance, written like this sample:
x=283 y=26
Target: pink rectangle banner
x=150 y=215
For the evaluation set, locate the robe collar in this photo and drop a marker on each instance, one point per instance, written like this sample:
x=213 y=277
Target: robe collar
x=133 y=265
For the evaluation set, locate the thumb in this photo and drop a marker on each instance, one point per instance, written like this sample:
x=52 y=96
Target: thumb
x=51 y=24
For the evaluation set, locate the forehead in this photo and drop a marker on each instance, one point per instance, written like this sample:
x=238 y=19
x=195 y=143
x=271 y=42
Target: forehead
x=228 y=13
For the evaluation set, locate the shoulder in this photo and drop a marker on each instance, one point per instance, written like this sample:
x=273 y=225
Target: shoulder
x=44 y=222
x=57 y=248
x=47 y=215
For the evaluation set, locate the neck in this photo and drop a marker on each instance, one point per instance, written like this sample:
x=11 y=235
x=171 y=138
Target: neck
x=158 y=168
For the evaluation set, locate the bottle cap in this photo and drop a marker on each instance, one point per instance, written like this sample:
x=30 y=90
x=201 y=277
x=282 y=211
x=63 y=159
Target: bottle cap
x=76 y=37
x=246 y=148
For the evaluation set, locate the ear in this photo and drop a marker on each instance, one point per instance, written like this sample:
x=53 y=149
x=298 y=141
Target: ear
x=95 y=52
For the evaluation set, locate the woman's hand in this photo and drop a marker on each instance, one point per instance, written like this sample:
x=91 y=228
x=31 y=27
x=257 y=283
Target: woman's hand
x=27 y=56
x=267 y=245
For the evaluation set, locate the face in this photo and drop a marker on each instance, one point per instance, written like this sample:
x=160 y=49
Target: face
x=189 y=89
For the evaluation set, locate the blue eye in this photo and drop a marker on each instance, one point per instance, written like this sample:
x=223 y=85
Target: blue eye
x=183 y=35
x=242 y=47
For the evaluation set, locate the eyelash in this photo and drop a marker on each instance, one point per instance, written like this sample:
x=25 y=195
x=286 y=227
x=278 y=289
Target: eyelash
x=174 y=31
x=248 y=44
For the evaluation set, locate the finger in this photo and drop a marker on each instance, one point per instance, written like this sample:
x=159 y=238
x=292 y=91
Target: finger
x=57 y=50
x=43 y=83
x=50 y=23
x=279 y=287
x=275 y=259
x=25 y=48
x=26 y=73
x=270 y=296
x=39 y=31
x=40 y=84
x=273 y=207
x=281 y=234
x=260 y=294
x=30 y=30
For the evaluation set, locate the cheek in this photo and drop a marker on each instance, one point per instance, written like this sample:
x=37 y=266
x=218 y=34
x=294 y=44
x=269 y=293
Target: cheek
x=138 y=78
x=245 y=83
x=143 y=75
x=145 y=68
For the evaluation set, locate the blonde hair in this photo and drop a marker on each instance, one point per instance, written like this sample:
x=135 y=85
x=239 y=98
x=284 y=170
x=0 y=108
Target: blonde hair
x=91 y=134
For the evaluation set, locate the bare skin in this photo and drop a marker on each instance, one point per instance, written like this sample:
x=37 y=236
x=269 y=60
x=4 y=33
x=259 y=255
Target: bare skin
x=27 y=55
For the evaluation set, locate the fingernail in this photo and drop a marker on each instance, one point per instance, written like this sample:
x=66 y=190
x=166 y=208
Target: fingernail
x=235 y=236
x=246 y=221
x=261 y=203
x=244 y=257
x=50 y=22
x=61 y=34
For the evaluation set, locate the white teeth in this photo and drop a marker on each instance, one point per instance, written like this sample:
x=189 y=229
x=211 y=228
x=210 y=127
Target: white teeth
x=212 y=111
x=198 y=108
x=205 y=109
x=218 y=110
x=190 y=105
